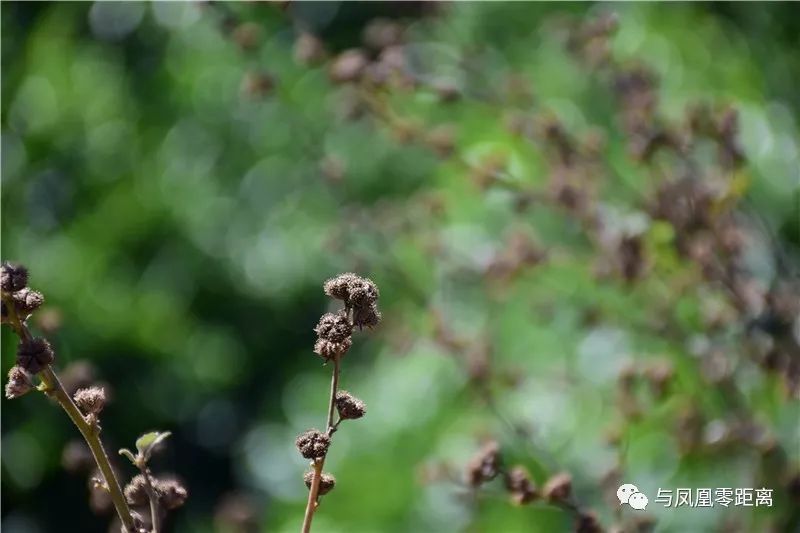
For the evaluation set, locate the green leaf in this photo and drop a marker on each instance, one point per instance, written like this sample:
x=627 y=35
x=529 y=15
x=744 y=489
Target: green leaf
x=147 y=442
x=129 y=454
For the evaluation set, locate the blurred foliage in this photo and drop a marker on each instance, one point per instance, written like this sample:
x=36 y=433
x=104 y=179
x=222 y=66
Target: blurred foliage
x=180 y=181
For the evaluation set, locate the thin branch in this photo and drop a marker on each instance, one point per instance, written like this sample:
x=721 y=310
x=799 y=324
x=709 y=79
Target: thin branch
x=313 y=492
x=332 y=401
x=153 y=497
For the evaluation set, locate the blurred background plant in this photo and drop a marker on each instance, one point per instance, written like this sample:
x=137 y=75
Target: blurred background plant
x=585 y=229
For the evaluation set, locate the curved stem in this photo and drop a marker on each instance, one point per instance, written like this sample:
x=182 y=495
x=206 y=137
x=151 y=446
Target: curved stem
x=313 y=491
x=90 y=433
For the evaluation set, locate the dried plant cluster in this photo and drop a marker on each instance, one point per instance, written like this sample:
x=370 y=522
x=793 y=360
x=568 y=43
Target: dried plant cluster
x=695 y=195
x=334 y=338
x=34 y=371
x=488 y=464
x=696 y=174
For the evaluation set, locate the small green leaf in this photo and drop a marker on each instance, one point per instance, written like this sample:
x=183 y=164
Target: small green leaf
x=129 y=454
x=147 y=442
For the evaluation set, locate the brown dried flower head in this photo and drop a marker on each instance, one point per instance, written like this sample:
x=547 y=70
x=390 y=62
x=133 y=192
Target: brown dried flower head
x=34 y=354
x=308 y=49
x=91 y=400
x=334 y=332
x=559 y=487
x=354 y=290
x=26 y=301
x=136 y=491
x=485 y=465
x=339 y=287
x=348 y=66
x=13 y=277
x=520 y=485
x=313 y=444
x=326 y=482
x=171 y=493
x=19 y=383
x=348 y=406
x=363 y=293
x=368 y=316
x=328 y=350
x=333 y=327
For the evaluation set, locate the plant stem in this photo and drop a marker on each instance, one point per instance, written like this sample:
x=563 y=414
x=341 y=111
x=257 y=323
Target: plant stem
x=313 y=491
x=90 y=433
x=151 y=495
x=334 y=388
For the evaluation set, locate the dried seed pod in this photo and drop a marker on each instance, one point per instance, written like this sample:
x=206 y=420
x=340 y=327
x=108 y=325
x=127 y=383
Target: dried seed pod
x=171 y=492
x=348 y=66
x=485 y=465
x=19 y=383
x=328 y=350
x=13 y=277
x=34 y=354
x=368 y=316
x=308 y=49
x=136 y=491
x=381 y=33
x=26 y=301
x=339 y=287
x=659 y=375
x=313 y=444
x=559 y=487
x=257 y=84
x=348 y=406
x=326 y=482
x=520 y=485
x=248 y=35
x=354 y=290
x=91 y=400
x=334 y=327
x=363 y=293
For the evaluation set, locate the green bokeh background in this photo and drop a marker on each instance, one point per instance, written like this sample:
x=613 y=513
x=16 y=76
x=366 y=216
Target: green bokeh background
x=182 y=231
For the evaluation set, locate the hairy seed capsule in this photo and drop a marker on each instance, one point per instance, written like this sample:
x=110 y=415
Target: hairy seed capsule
x=519 y=484
x=26 y=301
x=34 y=354
x=559 y=487
x=334 y=327
x=363 y=293
x=348 y=406
x=13 y=277
x=313 y=444
x=171 y=493
x=19 y=383
x=348 y=66
x=339 y=287
x=485 y=465
x=326 y=482
x=136 y=491
x=91 y=400
x=328 y=350
x=368 y=316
